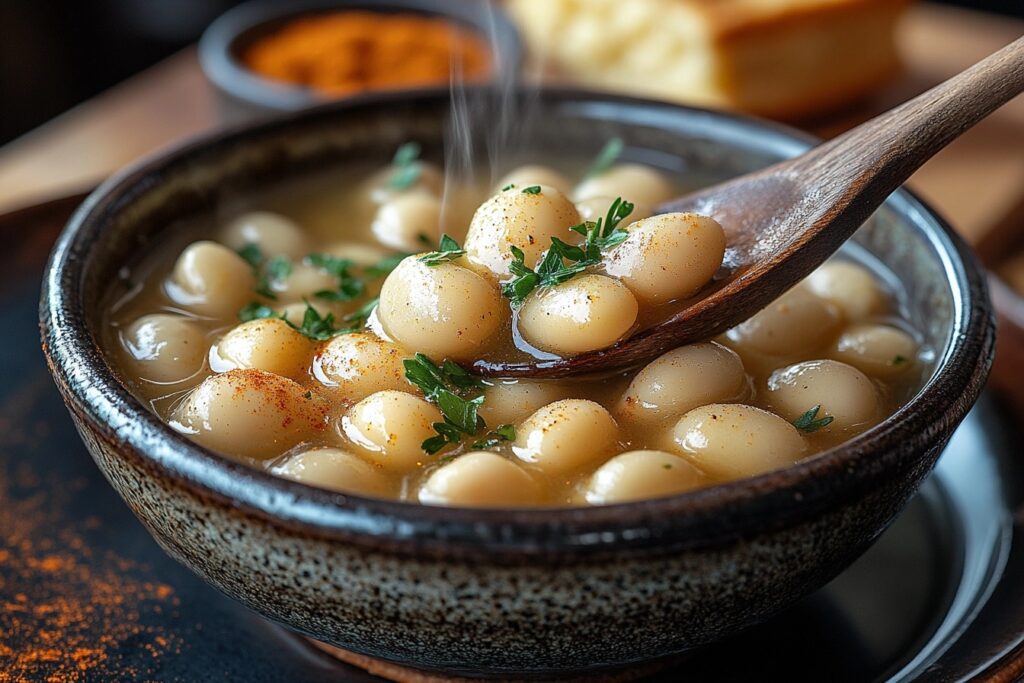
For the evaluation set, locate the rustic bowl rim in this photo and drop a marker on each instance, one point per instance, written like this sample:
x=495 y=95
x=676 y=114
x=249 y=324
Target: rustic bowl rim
x=217 y=45
x=707 y=517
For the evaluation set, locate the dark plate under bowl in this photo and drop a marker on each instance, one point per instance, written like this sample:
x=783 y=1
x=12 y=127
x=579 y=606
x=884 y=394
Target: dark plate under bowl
x=535 y=592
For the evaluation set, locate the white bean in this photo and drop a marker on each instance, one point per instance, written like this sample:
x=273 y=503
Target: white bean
x=637 y=475
x=878 y=350
x=668 y=257
x=566 y=435
x=480 y=479
x=408 y=222
x=274 y=234
x=250 y=414
x=337 y=470
x=850 y=287
x=165 y=348
x=211 y=280
x=633 y=182
x=509 y=401
x=796 y=323
x=843 y=392
x=515 y=218
x=389 y=427
x=445 y=311
x=585 y=313
x=731 y=441
x=269 y=344
x=684 y=379
x=356 y=365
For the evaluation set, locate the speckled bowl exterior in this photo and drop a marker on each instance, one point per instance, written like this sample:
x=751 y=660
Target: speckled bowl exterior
x=529 y=593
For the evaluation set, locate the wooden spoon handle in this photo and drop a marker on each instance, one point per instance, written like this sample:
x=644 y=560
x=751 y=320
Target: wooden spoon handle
x=885 y=151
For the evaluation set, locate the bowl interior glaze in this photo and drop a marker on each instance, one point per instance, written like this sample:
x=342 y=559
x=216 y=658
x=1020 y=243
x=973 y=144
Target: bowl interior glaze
x=942 y=292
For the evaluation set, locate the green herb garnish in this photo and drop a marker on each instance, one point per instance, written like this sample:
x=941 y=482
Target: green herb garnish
x=605 y=233
x=608 y=155
x=562 y=261
x=448 y=387
x=386 y=265
x=277 y=269
x=510 y=186
x=809 y=421
x=308 y=396
x=256 y=311
x=407 y=168
x=532 y=189
x=362 y=314
x=314 y=326
x=349 y=286
x=448 y=251
x=252 y=254
x=898 y=360
x=496 y=437
x=320 y=328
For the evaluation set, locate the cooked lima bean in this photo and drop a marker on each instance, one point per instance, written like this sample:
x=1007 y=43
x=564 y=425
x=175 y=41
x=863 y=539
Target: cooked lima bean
x=251 y=413
x=389 y=427
x=586 y=313
x=211 y=280
x=446 y=311
x=270 y=345
x=684 y=379
x=843 y=392
x=335 y=469
x=730 y=441
x=566 y=435
x=669 y=256
x=165 y=348
x=636 y=475
x=514 y=218
x=480 y=479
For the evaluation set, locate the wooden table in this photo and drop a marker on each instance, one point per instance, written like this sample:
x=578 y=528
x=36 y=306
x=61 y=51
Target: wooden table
x=977 y=183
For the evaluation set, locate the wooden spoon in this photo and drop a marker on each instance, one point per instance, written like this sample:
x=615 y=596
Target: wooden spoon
x=784 y=221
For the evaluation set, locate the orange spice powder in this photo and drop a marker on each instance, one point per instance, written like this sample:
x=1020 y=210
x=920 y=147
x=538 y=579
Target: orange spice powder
x=345 y=52
x=67 y=612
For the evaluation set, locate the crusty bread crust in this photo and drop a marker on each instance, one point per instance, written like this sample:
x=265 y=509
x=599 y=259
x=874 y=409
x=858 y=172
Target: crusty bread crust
x=786 y=59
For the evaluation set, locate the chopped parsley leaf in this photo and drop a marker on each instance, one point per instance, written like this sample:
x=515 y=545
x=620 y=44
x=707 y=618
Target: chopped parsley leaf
x=608 y=155
x=810 y=422
x=449 y=250
x=406 y=165
x=349 y=286
x=496 y=437
x=448 y=387
x=562 y=261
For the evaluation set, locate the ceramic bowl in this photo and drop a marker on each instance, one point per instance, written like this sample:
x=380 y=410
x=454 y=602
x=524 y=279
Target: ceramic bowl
x=244 y=94
x=535 y=593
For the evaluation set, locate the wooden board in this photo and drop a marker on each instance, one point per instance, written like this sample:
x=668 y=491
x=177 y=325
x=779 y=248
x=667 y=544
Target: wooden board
x=977 y=183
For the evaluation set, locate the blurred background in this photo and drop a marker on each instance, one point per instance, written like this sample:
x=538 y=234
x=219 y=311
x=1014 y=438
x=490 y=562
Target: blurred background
x=58 y=53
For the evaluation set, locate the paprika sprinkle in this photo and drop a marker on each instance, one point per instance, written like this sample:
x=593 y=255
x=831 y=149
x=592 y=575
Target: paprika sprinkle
x=340 y=53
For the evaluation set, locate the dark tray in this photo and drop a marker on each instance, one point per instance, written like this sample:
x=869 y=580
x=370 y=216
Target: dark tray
x=86 y=595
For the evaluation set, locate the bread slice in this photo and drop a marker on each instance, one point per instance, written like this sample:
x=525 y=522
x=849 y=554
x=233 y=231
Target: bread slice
x=786 y=59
